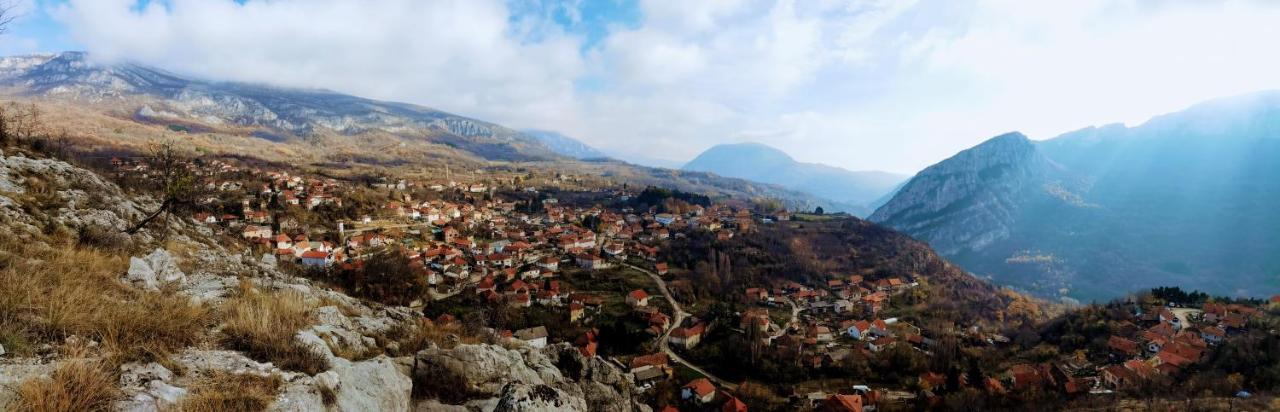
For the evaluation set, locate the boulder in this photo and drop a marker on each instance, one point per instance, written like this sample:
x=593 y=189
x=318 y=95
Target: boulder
x=521 y=397
x=155 y=269
x=556 y=377
x=165 y=267
x=370 y=385
x=140 y=274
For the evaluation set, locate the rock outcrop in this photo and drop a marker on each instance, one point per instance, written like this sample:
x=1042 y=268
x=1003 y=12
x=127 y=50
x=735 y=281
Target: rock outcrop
x=154 y=270
x=969 y=200
x=556 y=377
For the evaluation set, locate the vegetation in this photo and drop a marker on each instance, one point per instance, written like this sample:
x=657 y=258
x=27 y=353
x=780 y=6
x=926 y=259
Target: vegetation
x=52 y=293
x=385 y=276
x=263 y=325
x=76 y=385
x=224 y=391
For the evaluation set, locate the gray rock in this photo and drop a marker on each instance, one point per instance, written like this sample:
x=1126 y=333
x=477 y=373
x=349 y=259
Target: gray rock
x=165 y=267
x=520 y=397
x=370 y=385
x=138 y=375
x=519 y=379
x=155 y=269
x=140 y=274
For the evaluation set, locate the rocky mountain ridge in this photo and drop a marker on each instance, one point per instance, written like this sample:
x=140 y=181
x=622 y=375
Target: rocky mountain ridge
x=152 y=94
x=1176 y=200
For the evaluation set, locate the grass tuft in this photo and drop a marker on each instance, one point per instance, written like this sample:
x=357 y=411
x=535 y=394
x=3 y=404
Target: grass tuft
x=264 y=325
x=52 y=293
x=225 y=391
x=76 y=385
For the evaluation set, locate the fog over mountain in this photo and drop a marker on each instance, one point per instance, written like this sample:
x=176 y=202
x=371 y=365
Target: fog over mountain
x=762 y=163
x=1186 y=198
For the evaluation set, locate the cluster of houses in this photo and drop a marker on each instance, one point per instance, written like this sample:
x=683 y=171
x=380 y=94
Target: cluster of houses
x=1160 y=343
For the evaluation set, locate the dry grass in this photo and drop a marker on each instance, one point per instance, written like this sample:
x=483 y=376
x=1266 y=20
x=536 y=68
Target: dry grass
x=410 y=338
x=51 y=293
x=224 y=391
x=264 y=325
x=76 y=385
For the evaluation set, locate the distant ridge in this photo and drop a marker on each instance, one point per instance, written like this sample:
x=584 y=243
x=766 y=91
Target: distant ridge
x=762 y=163
x=565 y=145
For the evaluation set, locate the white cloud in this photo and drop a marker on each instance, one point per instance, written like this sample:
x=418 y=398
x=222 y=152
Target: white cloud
x=877 y=84
x=458 y=55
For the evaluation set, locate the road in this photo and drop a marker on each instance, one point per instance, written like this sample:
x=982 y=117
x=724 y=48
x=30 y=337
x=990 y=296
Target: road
x=679 y=318
x=1182 y=313
x=795 y=317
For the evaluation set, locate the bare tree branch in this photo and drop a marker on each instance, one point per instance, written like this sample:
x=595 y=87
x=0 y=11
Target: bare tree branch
x=7 y=14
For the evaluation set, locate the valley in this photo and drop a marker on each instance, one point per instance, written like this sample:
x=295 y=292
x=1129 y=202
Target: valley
x=337 y=253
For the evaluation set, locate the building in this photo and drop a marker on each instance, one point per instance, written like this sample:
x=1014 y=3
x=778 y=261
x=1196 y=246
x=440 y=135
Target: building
x=688 y=337
x=535 y=336
x=638 y=298
x=700 y=391
x=316 y=258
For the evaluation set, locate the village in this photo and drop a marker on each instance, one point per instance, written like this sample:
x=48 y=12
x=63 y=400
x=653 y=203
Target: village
x=588 y=272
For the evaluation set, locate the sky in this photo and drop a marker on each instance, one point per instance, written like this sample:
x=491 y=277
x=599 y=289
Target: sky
x=865 y=85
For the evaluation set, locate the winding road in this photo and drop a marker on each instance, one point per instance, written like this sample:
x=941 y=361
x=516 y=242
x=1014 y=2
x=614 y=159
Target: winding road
x=679 y=318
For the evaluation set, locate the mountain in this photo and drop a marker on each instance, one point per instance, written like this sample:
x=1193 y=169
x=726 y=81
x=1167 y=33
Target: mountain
x=565 y=145
x=761 y=163
x=128 y=106
x=154 y=95
x=1186 y=198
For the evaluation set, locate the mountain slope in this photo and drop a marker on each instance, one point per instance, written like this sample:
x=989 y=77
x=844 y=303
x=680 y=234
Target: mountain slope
x=151 y=94
x=1185 y=198
x=761 y=163
x=565 y=145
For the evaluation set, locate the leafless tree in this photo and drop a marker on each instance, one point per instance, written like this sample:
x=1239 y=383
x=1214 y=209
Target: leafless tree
x=171 y=167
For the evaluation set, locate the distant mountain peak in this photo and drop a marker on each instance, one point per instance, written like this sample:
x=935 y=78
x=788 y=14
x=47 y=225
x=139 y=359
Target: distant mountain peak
x=763 y=163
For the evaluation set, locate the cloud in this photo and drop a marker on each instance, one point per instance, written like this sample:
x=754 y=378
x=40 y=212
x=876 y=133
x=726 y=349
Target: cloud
x=467 y=56
x=874 y=84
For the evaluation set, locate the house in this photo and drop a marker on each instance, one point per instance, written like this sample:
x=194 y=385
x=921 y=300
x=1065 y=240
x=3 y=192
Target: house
x=576 y=311
x=757 y=316
x=699 y=390
x=640 y=363
x=880 y=344
x=1213 y=334
x=535 y=336
x=859 y=330
x=660 y=269
x=592 y=262
x=687 y=338
x=757 y=295
x=638 y=298
x=880 y=328
x=1123 y=346
x=256 y=232
x=1116 y=376
x=841 y=403
x=316 y=258
x=550 y=263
